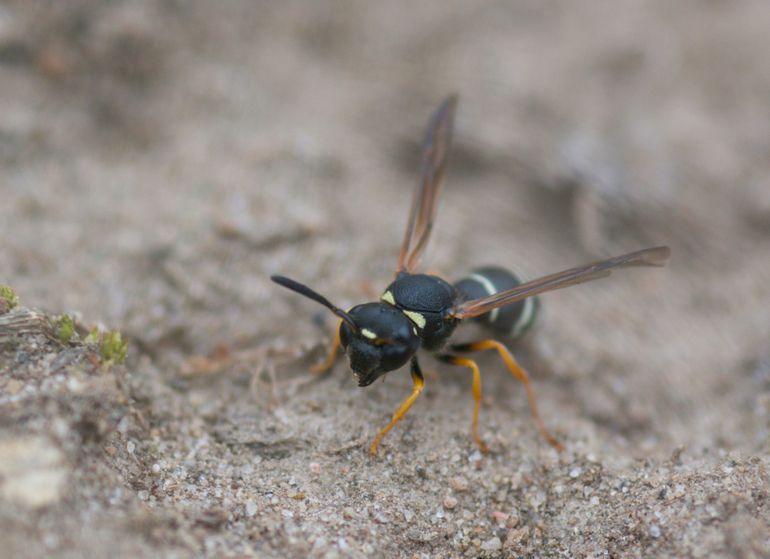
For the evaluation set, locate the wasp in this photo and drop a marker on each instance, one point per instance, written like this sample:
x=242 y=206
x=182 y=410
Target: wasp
x=422 y=311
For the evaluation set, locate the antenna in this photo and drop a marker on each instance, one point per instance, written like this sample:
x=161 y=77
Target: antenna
x=297 y=287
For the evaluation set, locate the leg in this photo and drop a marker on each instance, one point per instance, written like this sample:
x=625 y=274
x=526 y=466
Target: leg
x=327 y=363
x=517 y=372
x=465 y=362
x=419 y=382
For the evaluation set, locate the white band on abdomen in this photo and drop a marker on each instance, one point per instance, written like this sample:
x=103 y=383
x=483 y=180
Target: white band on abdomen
x=490 y=288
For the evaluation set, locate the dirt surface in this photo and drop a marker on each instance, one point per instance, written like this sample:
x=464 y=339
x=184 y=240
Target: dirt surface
x=161 y=159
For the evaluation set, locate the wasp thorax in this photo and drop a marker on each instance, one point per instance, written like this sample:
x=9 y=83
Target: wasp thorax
x=385 y=340
x=426 y=301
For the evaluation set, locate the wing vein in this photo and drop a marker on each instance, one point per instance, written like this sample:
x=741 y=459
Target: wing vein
x=435 y=151
x=656 y=256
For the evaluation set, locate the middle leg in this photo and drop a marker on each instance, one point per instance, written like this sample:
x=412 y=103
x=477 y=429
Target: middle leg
x=521 y=375
x=469 y=363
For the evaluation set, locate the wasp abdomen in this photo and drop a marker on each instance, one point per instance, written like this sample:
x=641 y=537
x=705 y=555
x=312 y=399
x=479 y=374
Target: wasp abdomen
x=511 y=320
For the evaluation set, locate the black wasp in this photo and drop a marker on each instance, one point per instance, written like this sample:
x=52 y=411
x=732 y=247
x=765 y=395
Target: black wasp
x=420 y=310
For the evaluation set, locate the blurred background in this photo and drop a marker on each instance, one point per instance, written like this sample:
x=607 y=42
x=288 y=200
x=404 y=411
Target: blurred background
x=159 y=159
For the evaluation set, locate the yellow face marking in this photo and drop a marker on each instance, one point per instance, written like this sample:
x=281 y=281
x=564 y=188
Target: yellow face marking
x=368 y=333
x=417 y=318
x=388 y=298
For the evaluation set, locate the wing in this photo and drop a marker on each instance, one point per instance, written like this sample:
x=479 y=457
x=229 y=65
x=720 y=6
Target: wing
x=657 y=256
x=435 y=149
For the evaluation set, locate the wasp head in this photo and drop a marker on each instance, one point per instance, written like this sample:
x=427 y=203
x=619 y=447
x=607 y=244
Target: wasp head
x=383 y=340
x=377 y=337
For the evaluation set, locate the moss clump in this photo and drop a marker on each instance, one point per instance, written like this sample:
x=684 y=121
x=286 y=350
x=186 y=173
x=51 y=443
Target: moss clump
x=8 y=298
x=112 y=347
x=94 y=336
x=65 y=329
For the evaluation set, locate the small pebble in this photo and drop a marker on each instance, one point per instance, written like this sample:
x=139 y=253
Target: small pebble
x=516 y=536
x=13 y=387
x=655 y=531
x=492 y=544
x=251 y=508
x=458 y=483
x=500 y=516
x=449 y=502
x=315 y=467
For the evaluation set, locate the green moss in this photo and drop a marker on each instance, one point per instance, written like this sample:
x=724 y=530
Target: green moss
x=93 y=337
x=113 y=349
x=65 y=328
x=8 y=296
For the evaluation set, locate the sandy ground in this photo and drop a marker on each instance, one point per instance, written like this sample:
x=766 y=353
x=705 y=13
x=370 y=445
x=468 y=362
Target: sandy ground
x=161 y=159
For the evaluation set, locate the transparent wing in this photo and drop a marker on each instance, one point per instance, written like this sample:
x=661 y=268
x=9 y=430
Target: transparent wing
x=435 y=149
x=657 y=256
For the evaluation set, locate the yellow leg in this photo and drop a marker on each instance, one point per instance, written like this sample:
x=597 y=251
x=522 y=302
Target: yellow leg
x=465 y=362
x=418 y=384
x=518 y=372
x=331 y=357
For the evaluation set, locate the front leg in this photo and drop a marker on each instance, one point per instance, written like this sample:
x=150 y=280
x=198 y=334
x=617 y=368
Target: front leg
x=417 y=386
